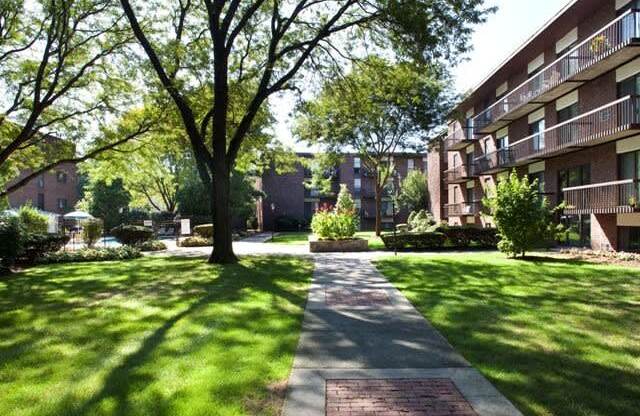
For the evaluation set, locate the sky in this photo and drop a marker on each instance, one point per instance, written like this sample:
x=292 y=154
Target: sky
x=493 y=42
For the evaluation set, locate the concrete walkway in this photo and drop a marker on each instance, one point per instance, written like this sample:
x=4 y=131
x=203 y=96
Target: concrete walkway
x=364 y=350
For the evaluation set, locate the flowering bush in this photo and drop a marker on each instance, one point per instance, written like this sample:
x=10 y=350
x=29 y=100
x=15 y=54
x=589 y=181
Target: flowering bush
x=339 y=223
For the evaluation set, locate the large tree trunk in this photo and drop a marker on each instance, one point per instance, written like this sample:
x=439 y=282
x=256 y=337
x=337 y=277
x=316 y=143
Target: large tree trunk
x=222 y=236
x=378 y=210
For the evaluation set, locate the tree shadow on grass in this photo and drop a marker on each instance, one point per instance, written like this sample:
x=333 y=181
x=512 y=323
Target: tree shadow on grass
x=556 y=337
x=210 y=302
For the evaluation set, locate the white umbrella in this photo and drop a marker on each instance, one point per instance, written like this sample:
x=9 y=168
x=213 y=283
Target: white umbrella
x=78 y=215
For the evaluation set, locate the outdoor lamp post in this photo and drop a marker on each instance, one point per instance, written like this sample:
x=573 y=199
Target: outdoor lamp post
x=273 y=213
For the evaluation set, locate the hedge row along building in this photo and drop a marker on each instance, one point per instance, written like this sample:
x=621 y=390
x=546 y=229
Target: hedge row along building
x=563 y=109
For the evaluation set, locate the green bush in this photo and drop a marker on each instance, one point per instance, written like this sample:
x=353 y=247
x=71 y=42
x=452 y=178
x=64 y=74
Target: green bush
x=11 y=240
x=132 y=234
x=91 y=231
x=32 y=220
x=151 y=245
x=196 y=241
x=204 y=230
x=91 y=254
x=341 y=223
x=421 y=221
x=521 y=214
x=418 y=241
x=36 y=246
x=444 y=237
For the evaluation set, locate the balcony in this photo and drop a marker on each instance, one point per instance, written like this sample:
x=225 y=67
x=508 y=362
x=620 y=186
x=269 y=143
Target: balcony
x=459 y=139
x=606 y=49
x=610 y=122
x=465 y=209
x=603 y=198
x=460 y=174
x=494 y=162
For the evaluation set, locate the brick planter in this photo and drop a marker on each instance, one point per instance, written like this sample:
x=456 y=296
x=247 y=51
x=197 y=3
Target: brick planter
x=339 y=246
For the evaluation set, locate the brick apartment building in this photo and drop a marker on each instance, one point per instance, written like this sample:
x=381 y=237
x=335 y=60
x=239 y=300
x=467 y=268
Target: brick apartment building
x=565 y=109
x=55 y=191
x=286 y=195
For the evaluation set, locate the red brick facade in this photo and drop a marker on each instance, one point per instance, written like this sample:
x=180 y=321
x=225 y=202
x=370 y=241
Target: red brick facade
x=55 y=191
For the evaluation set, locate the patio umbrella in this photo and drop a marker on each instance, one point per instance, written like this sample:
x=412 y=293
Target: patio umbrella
x=78 y=215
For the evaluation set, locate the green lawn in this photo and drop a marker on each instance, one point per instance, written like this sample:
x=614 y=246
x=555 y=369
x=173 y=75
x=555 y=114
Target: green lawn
x=154 y=336
x=556 y=337
x=301 y=238
x=292 y=238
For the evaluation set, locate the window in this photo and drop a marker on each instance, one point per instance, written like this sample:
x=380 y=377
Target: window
x=41 y=181
x=629 y=165
x=469 y=160
x=485 y=144
x=629 y=25
x=358 y=203
x=425 y=164
x=536 y=130
x=40 y=204
x=61 y=177
x=568 y=132
x=455 y=194
x=502 y=144
x=568 y=113
x=455 y=160
x=62 y=204
x=578 y=226
x=387 y=208
x=469 y=128
x=357 y=184
x=410 y=164
x=470 y=196
x=576 y=176
x=356 y=165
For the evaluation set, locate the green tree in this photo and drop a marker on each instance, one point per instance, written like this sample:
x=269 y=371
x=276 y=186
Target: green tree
x=414 y=191
x=378 y=109
x=265 y=47
x=61 y=71
x=521 y=214
x=108 y=201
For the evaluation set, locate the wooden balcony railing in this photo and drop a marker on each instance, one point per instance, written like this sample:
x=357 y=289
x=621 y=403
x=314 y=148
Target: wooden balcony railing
x=460 y=138
x=618 y=34
x=594 y=126
x=464 y=209
x=603 y=198
x=461 y=173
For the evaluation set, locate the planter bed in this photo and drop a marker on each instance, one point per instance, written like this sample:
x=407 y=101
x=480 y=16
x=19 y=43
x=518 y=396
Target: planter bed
x=338 y=246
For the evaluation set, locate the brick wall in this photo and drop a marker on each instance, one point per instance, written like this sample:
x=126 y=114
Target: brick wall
x=53 y=190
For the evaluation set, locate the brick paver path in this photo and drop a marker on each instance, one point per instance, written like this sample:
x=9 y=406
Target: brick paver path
x=395 y=397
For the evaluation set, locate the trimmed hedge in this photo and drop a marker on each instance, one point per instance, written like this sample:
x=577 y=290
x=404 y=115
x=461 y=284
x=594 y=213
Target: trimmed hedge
x=443 y=237
x=91 y=254
x=132 y=234
x=196 y=241
x=36 y=246
x=11 y=236
x=151 y=245
x=204 y=230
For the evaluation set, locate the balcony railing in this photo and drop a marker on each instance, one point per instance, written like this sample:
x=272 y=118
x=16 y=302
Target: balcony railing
x=460 y=138
x=618 y=34
x=464 y=209
x=593 y=127
x=494 y=161
x=461 y=173
x=603 y=198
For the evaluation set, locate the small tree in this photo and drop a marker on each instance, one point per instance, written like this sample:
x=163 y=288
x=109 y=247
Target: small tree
x=91 y=231
x=344 y=202
x=521 y=214
x=414 y=191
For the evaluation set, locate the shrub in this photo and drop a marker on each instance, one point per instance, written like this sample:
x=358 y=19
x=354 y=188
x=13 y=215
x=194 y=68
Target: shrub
x=91 y=231
x=132 y=234
x=421 y=221
x=91 y=254
x=340 y=223
x=414 y=191
x=151 y=245
x=449 y=237
x=204 y=230
x=419 y=241
x=521 y=214
x=32 y=220
x=36 y=246
x=11 y=239
x=196 y=241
